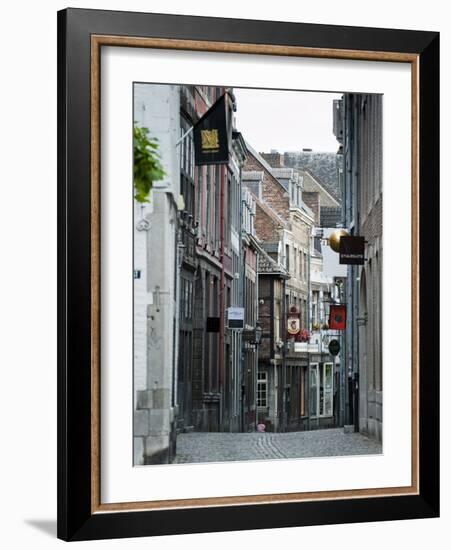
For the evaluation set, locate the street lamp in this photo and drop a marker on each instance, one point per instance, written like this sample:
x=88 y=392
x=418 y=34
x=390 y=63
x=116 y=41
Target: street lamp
x=258 y=334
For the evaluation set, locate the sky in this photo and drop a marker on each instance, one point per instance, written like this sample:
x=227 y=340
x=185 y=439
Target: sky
x=286 y=120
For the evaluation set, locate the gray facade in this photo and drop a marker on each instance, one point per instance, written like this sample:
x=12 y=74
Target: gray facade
x=360 y=130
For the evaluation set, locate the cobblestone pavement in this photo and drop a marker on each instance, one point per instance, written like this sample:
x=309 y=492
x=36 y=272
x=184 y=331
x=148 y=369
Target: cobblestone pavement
x=220 y=447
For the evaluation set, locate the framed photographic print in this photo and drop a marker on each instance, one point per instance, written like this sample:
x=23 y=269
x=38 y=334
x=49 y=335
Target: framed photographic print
x=248 y=274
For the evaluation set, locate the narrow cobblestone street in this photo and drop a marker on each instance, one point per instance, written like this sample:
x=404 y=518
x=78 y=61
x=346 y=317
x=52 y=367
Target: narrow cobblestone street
x=220 y=447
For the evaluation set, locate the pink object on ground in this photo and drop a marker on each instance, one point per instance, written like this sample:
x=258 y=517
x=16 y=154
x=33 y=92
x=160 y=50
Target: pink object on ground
x=261 y=428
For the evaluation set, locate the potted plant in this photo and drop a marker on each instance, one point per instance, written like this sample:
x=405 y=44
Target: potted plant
x=304 y=335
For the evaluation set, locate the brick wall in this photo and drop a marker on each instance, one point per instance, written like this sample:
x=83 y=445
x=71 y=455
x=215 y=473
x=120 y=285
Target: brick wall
x=312 y=200
x=265 y=226
x=264 y=315
x=272 y=191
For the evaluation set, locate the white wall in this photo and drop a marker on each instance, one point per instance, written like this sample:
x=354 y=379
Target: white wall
x=331 y=260
x=28 y=302
x=154 y=107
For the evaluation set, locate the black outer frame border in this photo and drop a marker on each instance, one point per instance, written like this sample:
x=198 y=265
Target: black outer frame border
x=75 y=521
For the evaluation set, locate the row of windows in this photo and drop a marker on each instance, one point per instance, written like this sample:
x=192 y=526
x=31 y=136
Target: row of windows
x=250 y=299
x=209 y=182
x=296 y=262
x=186 y=149
x=296 y=194
x=205 y=207
x=371 y=145
x=212 y=197
x=320 y=307
x=187 y=170
x=321 y=390
x=232 y=218
x=186 y=298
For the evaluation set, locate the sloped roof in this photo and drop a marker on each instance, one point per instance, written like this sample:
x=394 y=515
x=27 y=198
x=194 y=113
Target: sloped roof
x=330 y=216
x=323 y=166
x=260 y=159
x=266 y=265
x=312 y=184
x=269 y=169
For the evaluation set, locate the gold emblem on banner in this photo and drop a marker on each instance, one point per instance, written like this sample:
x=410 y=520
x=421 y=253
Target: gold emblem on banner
x=210 y=139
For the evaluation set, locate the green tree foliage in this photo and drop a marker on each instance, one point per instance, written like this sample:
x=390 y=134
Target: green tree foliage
x=147 y=167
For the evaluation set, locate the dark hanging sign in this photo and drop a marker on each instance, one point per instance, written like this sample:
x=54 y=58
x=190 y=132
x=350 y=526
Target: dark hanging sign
x=212 y=324
x=334 y=347
x=337 y=317
x=352 y=250
x=211 y=137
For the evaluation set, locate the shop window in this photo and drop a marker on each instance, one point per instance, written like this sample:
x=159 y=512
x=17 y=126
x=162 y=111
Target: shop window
x=262 y=389
x=321 y=389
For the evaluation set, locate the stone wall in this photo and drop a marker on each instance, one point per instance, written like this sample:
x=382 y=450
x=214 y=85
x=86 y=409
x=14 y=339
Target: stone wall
x=157 y=108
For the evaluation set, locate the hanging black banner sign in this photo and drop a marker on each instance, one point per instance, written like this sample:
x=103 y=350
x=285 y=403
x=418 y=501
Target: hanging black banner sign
x=211 y=136
x=352 y=250
x=213 y=324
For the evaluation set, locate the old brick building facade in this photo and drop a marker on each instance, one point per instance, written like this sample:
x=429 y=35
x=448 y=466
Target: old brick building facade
x=285 y=227
x=209 y=368
x=271 y=371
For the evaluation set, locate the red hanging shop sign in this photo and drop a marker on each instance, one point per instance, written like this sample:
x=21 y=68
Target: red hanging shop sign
x=337 y=317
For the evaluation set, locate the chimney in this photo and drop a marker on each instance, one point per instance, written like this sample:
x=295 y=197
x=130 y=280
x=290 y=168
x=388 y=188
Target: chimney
x=274 y=158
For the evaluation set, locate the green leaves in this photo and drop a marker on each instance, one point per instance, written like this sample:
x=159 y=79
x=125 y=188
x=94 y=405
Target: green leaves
x=147 y=167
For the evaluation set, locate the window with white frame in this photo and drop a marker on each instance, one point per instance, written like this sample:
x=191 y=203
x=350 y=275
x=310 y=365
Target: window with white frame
x=287 y=257
x=321 y=389
x=262 y=389
x=314 y=307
